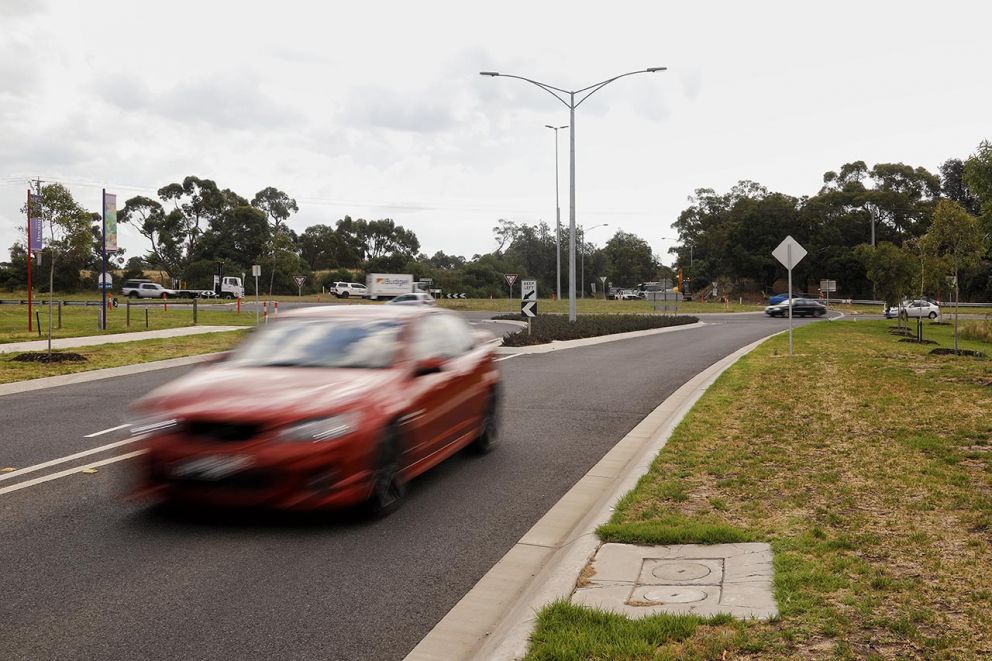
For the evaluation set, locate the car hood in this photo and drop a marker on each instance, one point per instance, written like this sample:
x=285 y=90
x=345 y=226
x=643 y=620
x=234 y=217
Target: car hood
x=269 y=394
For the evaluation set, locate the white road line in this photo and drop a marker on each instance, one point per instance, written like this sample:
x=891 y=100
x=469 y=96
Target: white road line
x=71 y=457
x=512 y=355
x=70 y=471
x=106 y=431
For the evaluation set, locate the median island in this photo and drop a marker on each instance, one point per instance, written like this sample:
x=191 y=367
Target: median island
x=546 y=328
x=864 y=462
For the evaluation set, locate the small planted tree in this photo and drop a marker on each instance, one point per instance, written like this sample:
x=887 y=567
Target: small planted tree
x=955 y=235
x=890 y=269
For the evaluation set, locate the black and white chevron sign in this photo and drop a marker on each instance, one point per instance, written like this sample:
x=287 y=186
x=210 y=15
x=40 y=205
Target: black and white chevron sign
x=456 y=296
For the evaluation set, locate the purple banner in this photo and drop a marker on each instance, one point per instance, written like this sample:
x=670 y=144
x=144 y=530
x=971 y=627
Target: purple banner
x=36 y=227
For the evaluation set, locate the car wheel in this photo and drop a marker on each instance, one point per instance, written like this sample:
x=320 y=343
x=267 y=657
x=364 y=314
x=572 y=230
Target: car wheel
x=388 y=488
x=344 y=294
x=132 y=294
x=933 y=315
x=820 y=313
x=489 y=430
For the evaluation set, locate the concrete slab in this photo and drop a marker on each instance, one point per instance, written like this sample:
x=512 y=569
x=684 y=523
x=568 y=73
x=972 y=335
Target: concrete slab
x=705 y=580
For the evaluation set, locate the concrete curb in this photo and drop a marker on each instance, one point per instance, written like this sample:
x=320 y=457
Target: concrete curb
x=560 y=345
x=95 y=340
x=96 y=375
x=495 y=619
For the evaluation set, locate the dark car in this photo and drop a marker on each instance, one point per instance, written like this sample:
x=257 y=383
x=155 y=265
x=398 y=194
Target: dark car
x=324 y=408
x=801 y=307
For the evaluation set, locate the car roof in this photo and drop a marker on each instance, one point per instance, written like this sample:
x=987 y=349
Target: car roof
x=358 y=312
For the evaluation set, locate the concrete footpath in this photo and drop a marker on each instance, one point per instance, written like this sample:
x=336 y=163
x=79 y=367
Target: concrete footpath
x=93 y=340
x=495 y=619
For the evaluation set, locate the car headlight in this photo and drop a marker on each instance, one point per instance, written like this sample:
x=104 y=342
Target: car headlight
x=153 y=425
x=320 y=430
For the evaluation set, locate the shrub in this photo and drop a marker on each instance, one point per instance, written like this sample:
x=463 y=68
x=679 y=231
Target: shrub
x=980 y=331
x=549 y=327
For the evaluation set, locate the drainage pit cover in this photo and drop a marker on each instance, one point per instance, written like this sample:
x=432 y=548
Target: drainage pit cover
x=681 y=571
x=675 y=595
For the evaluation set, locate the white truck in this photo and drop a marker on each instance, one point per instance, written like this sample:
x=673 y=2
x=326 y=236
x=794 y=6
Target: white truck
x=228 y=287
x=388 y=285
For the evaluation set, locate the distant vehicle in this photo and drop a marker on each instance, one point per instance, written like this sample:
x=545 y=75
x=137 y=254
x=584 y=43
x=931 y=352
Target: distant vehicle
x=388 y=285
x=325 y=408
x=145 y=289
x=627 y=295
x=915 y=309
x=418 y=298
x=801 y=307
x=228 y=286
x=779 y=298
x=349 y=289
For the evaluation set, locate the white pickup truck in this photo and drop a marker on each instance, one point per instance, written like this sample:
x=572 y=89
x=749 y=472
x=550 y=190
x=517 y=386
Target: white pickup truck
x=145 y=289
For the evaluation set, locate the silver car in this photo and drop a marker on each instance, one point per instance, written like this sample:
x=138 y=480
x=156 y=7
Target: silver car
x=416 y=298
x=915 y=309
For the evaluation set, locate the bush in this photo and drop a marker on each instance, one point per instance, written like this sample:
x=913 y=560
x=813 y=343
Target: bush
x=980 y=331
x=549 y=327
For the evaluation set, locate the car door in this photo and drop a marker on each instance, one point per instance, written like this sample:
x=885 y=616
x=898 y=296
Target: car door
x=432 y=397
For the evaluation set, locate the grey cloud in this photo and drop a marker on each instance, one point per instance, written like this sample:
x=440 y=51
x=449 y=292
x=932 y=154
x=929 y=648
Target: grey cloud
x=21 y=8
x=220 y=101
x=388 y=109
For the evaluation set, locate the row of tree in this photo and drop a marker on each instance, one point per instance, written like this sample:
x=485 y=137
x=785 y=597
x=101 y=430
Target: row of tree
x=729 y=238
x=194 y=224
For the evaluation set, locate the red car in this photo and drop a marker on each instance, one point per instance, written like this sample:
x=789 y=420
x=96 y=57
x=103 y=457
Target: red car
x=324 y=408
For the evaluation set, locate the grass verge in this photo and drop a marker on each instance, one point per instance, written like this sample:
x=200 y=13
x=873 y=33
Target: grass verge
x=867 y=465
x=118 y=354
x=549 y=327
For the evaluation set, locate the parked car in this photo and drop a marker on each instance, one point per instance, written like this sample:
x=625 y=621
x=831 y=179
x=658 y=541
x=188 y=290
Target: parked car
x=145 y=289
x=417 y=298
x=348 y=289
x=324 y=408
x=626 y=295
x=915 y=309
x=801 y=307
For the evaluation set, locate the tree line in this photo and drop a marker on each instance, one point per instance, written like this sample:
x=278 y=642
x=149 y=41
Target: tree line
x=855 y=228
x=193 y=225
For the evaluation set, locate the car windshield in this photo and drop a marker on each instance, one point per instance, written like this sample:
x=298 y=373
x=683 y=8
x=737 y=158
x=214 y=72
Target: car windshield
x=321 y=343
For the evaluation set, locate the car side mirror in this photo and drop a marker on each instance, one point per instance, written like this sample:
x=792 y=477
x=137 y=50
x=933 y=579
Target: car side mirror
x=427 y=366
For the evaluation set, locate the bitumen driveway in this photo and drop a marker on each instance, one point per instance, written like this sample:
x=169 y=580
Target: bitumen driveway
x=84 y=574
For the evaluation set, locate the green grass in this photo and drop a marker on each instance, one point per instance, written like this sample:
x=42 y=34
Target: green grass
x=866 y=463
x=586 y=306
x=79 y=321
x=118 y=354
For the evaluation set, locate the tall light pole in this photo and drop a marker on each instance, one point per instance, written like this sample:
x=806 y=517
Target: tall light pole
x=582 y=251
x=557 y=210
x=572 y=104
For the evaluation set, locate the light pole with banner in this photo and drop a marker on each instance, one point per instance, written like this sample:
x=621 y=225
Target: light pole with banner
x=557 y=213
x=256 y=270
x=572 y=104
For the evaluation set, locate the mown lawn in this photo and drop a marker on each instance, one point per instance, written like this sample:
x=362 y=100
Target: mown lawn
x=865 y=462
x=79 y=321
x=117 y=354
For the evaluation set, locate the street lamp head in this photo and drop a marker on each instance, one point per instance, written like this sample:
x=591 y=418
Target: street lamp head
x=489 y=73
x=653 y=69
x=563 y=127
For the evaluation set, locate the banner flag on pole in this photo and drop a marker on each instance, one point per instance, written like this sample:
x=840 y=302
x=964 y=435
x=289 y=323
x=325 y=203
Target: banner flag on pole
x=110 y=220
x=34 y=220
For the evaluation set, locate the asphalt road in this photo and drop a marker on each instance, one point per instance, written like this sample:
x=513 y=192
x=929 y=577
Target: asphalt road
x=85 y=575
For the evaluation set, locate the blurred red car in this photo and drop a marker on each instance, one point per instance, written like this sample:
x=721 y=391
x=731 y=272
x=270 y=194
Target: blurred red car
x=324 y=408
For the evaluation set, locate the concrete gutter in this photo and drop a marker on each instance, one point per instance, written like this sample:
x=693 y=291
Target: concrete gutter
x=495 y=619
x=559 y=345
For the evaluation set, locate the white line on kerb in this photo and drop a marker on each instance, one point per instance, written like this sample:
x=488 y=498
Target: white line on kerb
x=62 y=460
x=69 y=471
x=106 y=431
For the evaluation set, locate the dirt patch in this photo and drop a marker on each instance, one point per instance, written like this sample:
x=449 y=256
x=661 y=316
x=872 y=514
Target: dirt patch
x=45 y=357
x=942 y=351
x=585 y=576
x=915 y=341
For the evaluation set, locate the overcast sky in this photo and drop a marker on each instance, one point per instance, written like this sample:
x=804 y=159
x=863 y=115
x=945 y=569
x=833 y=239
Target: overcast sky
x=376 y=109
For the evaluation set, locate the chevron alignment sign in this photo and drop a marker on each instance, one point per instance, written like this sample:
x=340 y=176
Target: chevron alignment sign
x=528 y=298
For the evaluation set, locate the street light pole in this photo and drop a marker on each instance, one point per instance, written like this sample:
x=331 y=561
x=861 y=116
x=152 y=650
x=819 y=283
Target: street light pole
x=582 y=251
x=572 y=104
x=557 y=213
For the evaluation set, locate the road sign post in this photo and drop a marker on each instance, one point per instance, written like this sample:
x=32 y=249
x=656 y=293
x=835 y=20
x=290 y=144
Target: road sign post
x=827 y=286
x=300 y=279
x=789 y=253
x=510 y=279
x=528 y=300
x=256 y=270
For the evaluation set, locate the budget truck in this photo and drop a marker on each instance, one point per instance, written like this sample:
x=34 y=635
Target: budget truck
x=388 y=285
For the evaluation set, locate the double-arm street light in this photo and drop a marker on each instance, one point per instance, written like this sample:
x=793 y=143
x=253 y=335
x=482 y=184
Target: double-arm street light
x=582 y=251
x=569 y=99
x=557 y=211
